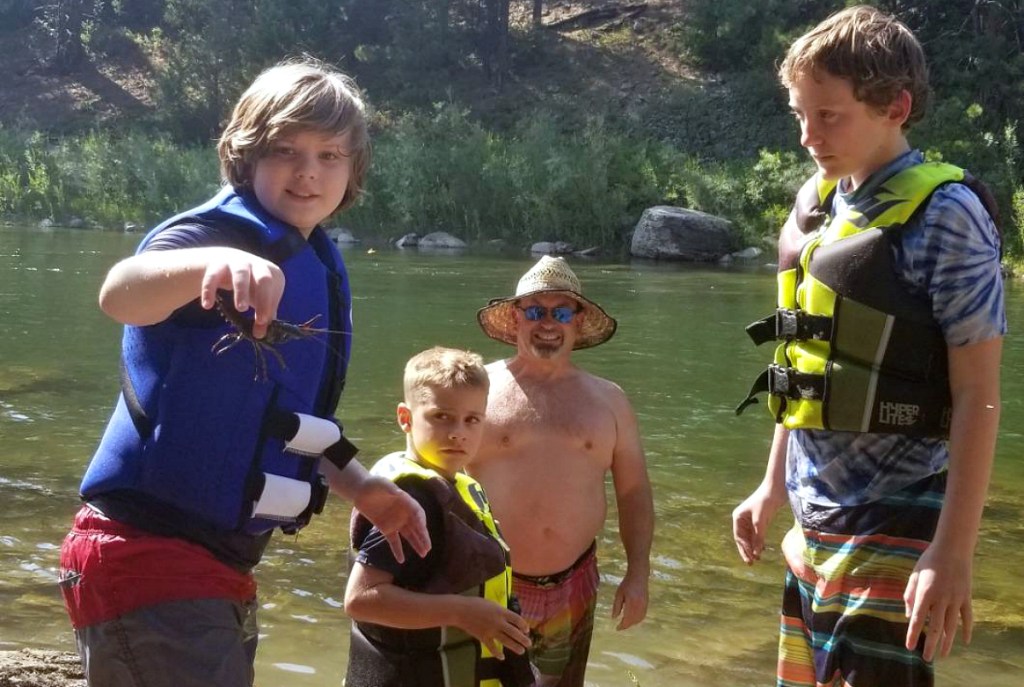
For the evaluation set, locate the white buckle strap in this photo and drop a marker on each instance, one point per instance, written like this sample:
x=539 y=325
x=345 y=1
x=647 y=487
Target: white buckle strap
x=282 y=498
x=313 y=436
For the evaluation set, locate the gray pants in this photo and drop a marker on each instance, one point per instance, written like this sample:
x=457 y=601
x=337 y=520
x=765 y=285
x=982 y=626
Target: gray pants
x=195 y=643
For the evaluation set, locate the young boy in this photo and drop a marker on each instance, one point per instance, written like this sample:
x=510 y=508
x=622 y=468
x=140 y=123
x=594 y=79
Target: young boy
x=206 y=454
x=443 y=619
x=886 y=383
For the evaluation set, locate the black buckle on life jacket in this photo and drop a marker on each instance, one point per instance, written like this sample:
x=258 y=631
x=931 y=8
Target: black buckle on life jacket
x=790 y=383
x=785 y=382
x=796 y=324
x=318 y=493
x=786 y=324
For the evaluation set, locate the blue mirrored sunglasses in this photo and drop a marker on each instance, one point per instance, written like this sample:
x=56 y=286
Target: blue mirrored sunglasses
x=562 y=314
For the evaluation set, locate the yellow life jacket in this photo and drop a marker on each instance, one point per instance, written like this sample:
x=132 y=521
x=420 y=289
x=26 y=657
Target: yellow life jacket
x=475 y=561
x=860 y=352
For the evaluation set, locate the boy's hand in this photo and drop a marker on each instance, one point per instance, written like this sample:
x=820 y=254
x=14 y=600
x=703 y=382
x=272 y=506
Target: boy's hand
x=494 y=627
x=395 y=514
x=256 y=283
x=750 y=521
x=938 y=594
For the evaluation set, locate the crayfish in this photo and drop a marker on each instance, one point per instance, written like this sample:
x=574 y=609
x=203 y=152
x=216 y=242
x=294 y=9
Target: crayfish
x=278 y=332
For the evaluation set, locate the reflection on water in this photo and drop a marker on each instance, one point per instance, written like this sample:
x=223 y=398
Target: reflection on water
x=681 y=355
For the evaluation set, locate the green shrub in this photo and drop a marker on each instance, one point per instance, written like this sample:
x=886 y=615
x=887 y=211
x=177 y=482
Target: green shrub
x=101 y=178
x=445 y=171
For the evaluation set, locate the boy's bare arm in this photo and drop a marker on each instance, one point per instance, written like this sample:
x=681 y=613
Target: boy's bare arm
x=939 y=590
x=392 y=511
x=636 y=515
x=146 y=288
x=372 y=596
x=750 y=519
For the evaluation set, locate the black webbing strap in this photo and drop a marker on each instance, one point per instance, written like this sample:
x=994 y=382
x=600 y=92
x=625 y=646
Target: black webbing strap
x=762 y=330
x=787 y=325
x=514 y=671
x=759 y=386
x=787 y=383
x=488 y=669
x=809 y=210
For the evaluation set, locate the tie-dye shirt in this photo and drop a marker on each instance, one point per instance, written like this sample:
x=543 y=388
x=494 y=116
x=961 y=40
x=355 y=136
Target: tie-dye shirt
x=950 y=253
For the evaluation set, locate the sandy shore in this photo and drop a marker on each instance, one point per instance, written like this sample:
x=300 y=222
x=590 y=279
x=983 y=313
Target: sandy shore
x=40 y=668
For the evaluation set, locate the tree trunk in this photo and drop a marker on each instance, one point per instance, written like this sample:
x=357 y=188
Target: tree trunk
x=538 y=9
x=495 y=41
x=445 y=18
x=67 y=24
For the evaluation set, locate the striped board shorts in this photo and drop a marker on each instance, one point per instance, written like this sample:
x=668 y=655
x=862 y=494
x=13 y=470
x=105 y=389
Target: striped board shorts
x=843 y=620
x=559 y=609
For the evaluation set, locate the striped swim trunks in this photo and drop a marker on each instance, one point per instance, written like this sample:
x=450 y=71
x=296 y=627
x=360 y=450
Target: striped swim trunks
x=843 y=621
x=560 y=611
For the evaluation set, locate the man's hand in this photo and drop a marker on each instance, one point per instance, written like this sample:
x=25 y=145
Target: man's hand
x=750 y=521
x=938 y=595
x=630 y=601
x=395 y=514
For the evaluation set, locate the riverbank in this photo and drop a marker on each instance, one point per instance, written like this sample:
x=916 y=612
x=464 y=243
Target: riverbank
x=40 y=668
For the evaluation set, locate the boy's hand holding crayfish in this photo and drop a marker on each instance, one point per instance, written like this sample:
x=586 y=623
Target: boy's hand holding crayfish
x=255 y=282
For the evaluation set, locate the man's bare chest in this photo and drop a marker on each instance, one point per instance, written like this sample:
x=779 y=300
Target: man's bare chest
x=569 y=414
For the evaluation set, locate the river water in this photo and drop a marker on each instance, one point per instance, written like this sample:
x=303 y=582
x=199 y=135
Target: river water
x=680 y=354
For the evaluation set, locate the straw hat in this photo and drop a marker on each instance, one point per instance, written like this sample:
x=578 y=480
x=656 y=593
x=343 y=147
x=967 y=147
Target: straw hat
x=549 y=275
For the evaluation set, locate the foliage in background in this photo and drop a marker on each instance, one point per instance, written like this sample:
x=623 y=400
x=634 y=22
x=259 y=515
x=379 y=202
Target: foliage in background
x=535 y=169
x=438 y=171
x=975 y=53
x=445 y=171
x=739 y=35
x=208 y=52
x=101 y=178
x=17 y=14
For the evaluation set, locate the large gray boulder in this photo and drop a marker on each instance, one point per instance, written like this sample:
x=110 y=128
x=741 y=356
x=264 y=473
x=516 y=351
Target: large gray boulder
x=441 y=239
x=552 y=248
x=342 y=236
x=665 y=232
x=408 y=241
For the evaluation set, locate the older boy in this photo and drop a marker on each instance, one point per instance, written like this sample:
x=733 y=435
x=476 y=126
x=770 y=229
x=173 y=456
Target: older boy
x=446 y=618
x=206 y=454
x=886 y=385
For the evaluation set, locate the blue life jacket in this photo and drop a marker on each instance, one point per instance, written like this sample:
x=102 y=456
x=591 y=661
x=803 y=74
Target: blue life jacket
x=201 y=431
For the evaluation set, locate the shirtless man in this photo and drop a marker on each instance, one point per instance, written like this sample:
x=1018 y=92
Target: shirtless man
x=552 y=433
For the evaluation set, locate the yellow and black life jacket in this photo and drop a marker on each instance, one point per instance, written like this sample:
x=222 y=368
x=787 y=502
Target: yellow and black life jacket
x=474 y=561
x=860 y=352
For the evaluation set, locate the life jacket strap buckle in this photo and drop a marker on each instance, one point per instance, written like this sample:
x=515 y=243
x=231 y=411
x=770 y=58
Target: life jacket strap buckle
x=318 y=493
x=798 y=325
x=787 y=382
x=787 y=324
